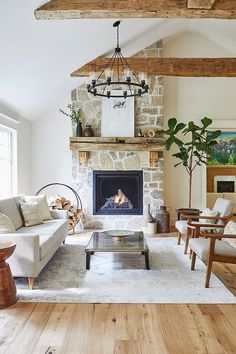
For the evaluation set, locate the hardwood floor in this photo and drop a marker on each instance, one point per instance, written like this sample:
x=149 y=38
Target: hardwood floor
x=38 y=328
x=121 y=329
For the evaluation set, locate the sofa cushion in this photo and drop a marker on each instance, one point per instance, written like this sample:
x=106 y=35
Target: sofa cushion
x=9 y=208
x=6 y=225
x=201 y=247
x=49 y=232
x=43 y=204
x=31 y=214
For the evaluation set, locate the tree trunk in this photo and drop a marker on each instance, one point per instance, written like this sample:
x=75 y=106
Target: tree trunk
x=190 y=191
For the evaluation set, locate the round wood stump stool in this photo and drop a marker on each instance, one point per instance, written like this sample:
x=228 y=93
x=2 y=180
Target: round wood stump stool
x=7 y=285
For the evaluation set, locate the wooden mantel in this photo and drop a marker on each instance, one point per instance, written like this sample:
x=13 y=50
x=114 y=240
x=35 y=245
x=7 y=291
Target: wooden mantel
x=84 y=145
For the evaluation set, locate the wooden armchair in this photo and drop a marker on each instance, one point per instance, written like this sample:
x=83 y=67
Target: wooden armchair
x=186 y=225
x=212 y=249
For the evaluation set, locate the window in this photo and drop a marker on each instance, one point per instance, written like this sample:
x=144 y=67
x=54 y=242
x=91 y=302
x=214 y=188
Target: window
x=7 y=162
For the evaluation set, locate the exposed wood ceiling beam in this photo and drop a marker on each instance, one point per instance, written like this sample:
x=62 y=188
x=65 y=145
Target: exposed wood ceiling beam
x=99 y=9
x=188 y=67
x=200 y=4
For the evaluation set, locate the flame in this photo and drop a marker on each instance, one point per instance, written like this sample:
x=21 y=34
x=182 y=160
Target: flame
x=119 y=198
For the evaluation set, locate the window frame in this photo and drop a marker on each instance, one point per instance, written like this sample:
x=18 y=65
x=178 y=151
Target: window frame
x=13 y=156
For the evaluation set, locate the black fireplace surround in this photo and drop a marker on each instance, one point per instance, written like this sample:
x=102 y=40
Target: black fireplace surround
x=117 y=192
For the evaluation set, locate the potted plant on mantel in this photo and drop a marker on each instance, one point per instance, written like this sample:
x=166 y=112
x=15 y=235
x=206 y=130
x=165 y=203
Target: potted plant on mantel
x=194 y=145
x=76 y=116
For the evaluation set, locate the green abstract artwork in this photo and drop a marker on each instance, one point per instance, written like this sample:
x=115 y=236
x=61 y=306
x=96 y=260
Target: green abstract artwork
x=224 y=152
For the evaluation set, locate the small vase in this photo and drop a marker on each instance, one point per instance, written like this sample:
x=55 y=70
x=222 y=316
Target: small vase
x=88 y=131
x=79 y=130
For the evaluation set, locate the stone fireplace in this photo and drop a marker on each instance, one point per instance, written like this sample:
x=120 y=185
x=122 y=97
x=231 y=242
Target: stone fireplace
x=148 y=115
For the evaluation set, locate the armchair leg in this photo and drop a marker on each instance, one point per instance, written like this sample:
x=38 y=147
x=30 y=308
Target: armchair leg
x=179 y=238
x=208 y=275
x=186 y=243
x=31 y=282
x=193 y=260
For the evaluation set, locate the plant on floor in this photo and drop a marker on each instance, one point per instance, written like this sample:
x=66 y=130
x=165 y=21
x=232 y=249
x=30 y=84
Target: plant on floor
x=194 y=144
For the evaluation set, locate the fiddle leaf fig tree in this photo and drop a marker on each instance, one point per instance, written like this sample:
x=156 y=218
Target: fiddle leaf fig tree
x=194 y=144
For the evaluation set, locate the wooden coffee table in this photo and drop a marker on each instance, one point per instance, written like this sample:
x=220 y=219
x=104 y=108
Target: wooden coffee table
x=7 y=285
x=103 y=242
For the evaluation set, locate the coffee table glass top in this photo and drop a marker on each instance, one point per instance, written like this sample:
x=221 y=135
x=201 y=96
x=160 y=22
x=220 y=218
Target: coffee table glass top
x=103 y=242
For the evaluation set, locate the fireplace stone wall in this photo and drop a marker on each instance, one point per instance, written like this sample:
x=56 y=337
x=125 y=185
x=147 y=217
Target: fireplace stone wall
x=148 y=114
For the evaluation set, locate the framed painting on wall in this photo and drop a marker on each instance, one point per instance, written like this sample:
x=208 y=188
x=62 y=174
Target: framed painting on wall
x=117 y=118
x=224 y=152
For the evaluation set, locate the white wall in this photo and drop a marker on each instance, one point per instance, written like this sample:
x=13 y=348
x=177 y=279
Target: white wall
x=192 y=99
x=50 y=150
x=23 y=128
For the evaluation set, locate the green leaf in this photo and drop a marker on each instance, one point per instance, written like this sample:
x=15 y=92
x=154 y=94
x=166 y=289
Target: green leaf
x=179 y=127
x=206 y=122
x=172 y=123
x=169 y=142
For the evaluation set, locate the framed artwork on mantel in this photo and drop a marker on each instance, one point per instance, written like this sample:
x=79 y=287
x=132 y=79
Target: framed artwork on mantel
x=117 y=118
x=224 y=152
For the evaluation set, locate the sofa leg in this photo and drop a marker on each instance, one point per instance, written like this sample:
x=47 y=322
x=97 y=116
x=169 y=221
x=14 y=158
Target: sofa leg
x=193 y=261
x=64 y=242
x=179 y=238
x=31 y=282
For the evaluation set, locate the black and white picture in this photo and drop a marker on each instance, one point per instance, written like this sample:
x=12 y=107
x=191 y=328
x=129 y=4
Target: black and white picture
x=117 y=117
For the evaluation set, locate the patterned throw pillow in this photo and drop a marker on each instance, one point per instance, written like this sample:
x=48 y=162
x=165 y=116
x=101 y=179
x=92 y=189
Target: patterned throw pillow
x=6 y=225
x=43 y=204
x=31 y=213
x=230 y=229
x=208 y=212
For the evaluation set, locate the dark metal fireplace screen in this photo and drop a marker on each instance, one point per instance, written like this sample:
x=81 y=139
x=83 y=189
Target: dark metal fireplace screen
x=117 y=192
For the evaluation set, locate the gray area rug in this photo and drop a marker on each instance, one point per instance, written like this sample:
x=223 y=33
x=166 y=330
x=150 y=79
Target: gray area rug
x=122 y=278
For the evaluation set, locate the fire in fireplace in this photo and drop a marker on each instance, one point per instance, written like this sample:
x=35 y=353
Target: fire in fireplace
x=118 y=192
x=118 y=201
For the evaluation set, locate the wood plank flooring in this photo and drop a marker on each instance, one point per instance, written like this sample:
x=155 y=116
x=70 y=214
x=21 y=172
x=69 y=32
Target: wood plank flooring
x=37 y=328
x=120 y=329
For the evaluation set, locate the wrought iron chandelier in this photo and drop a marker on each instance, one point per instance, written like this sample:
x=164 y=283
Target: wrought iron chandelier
x=117 y=79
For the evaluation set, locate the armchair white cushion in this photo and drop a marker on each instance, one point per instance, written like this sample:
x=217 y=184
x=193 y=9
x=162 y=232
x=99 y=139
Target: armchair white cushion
x=222 y=207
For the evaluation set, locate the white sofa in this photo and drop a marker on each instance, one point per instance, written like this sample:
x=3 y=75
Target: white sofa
x=35 y=245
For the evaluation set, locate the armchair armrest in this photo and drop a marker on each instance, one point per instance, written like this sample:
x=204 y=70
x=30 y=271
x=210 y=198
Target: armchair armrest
x=218 y=236
x=193 y=217
x=210 y=225
x=59 y=214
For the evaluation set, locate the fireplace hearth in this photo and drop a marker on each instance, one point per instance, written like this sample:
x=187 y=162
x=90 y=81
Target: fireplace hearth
x=117 y=192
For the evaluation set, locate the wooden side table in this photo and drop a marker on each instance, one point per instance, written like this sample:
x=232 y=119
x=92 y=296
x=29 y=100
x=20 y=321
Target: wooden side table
x=8 y=294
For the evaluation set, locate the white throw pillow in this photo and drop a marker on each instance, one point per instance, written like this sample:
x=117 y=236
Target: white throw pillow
x=43 y=204
x=230 y=229
x=6 y=225
x=31 y=213
x=208 y=212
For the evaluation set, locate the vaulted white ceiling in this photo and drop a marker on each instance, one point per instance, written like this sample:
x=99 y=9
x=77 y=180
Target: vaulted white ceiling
x=36 y=57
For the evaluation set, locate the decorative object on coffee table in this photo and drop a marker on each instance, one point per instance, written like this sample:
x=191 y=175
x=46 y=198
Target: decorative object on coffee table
x=8 y=294
x=118 y=235
x=62 y=203
x=103 y=242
